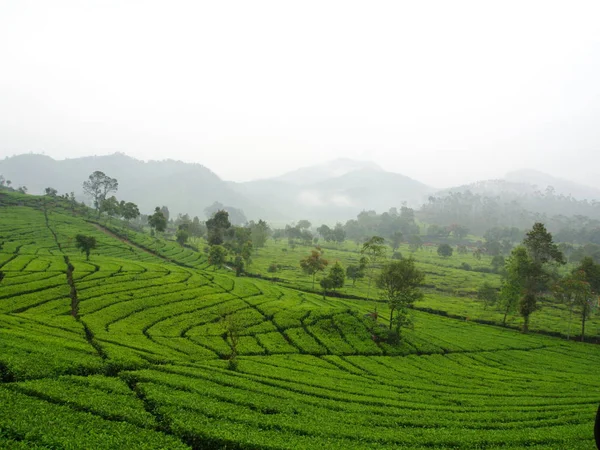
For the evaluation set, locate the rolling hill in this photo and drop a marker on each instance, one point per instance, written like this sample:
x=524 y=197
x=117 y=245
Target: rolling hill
x=134 y=348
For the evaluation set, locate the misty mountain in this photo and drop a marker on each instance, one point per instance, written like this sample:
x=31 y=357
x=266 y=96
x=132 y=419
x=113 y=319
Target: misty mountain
x=528 y=183
x=562 y=186
x=325 y=171
x=336 y=190
x=182 y=187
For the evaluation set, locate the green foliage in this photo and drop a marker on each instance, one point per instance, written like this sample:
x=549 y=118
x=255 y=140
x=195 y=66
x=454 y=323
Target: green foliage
x=488 y=294
x=216 y=256
x=182 y=236
x=444 y=250
x=400 y=283
x=86 y=244
x=217 y=226
x=313 y=263
x=98 y=186
x=157 y=221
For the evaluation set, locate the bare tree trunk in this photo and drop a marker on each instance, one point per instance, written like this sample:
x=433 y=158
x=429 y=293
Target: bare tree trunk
x=583 y=326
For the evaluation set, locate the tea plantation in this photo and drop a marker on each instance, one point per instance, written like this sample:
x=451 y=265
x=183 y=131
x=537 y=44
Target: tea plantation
x=130 y=350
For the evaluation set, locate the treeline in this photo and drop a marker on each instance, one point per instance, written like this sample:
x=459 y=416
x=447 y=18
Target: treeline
x=480 y=212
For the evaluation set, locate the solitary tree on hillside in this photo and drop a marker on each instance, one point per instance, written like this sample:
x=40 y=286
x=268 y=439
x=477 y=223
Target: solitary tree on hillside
x=86 y=244
x=98 y=186
x=313 y=263
x=399 y=282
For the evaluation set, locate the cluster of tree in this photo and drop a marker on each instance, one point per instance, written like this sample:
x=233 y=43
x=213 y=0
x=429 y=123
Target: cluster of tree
x=398 y=281
x=481 y=212
x=531 y=274
x=386 y=225
x=239 y=241
x=336 y=234
x=455 y=230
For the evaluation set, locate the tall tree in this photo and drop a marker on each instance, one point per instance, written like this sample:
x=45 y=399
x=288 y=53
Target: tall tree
x=98 y=186
x=313 y=263
x=374 y=251
x=216 y=226
x=399 y=282
x=529 y=269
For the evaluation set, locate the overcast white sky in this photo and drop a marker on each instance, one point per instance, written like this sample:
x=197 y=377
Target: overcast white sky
x=445 y=92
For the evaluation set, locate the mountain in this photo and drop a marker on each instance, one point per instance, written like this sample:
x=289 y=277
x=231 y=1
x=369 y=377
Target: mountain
x=336 y=190
x=562 y=186
x=325 y=171
x=183 y=187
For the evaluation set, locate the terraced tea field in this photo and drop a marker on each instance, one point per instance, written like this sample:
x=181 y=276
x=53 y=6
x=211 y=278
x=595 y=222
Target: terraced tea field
x=129 y=350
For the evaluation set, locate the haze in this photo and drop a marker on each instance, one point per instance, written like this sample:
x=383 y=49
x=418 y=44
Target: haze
x=444 y=92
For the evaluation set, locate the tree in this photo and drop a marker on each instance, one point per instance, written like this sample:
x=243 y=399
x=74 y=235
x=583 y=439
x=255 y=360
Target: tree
x=181 y=236
x=326 y=233
x=246 y=252
x=540 y=251
x=303 y=224
x=488 y=294
x=216 y=256
x=313 y=263
x=129 y=211
x=399 y=282
x=51 y=192
x=444 y=250
x=415 y=243
x=259 y=233
x=238 y=264
x=338 y=233
x=374 y=251
x=110 y=206
x=574 y=291
x=86 y=244
x=216 y=226
x=498 y=263
x=22 y=189
x=396 y=240
x=157 y=221
x=540 y=247
x=98 y=186
x=355 y=272
x=232 y=329
x=580 y=290
x=337 y=276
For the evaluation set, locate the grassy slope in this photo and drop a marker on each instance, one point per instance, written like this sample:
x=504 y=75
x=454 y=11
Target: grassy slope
x=450 y=289
x=143 y=362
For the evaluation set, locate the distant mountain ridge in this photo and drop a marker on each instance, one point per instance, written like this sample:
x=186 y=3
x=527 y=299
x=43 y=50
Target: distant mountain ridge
x=336 y=190
x=333 y=191
x=182 y=187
